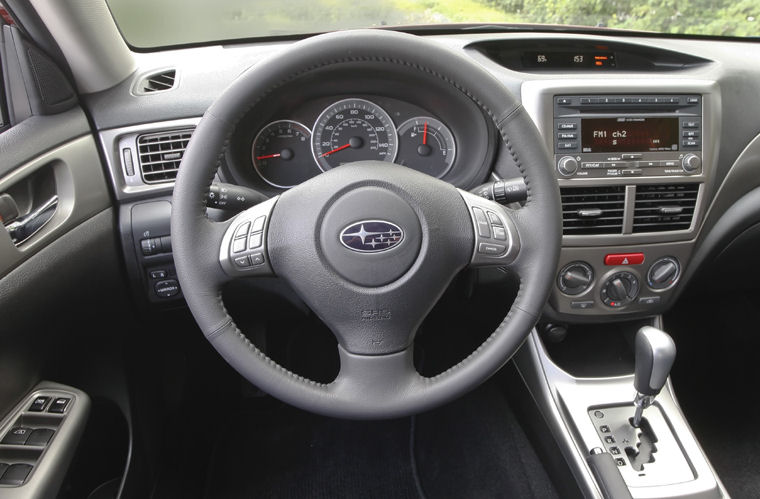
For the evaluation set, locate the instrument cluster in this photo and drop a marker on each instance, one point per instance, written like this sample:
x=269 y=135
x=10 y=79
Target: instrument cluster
x=286 y=151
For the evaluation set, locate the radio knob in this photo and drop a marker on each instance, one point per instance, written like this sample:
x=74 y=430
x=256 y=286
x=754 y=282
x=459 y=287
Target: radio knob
x=691 y=163
x=567 y=166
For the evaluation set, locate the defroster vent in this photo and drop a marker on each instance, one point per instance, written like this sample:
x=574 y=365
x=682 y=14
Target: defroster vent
x=661 y=208
x=592 y=210
x=161 y=153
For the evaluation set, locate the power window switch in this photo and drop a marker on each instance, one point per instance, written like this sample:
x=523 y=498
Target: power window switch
x=17 y=436
x=59 y=405
x=16 y=474
x=40 y=437
x=39 y=404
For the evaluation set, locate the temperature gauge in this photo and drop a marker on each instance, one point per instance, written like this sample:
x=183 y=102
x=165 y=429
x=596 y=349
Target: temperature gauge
x=426 y=145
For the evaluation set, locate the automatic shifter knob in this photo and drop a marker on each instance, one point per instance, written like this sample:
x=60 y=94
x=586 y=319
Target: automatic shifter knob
x=655 y=353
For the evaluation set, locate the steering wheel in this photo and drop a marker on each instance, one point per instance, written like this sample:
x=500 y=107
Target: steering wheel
x=370 y=246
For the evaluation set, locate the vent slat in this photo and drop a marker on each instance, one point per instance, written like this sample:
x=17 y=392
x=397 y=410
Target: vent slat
x=161 y=153
x=654 y=201
x=608 y=200
x=158 y=82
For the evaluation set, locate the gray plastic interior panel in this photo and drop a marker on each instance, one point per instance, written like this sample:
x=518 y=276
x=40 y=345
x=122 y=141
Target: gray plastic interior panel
x=565 y=402
x=50 y=462
x=81 y=189
x=648 y=302
x=538 y=99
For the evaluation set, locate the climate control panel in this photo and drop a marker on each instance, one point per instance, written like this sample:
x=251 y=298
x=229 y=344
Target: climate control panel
x=598 y=281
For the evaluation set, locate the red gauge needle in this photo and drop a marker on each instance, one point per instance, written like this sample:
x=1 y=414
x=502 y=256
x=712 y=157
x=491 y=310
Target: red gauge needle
x=335 y=150
x=424 y=134
x=268 y=156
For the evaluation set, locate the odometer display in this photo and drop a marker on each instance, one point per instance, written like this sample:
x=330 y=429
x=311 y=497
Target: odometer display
x=353 y=130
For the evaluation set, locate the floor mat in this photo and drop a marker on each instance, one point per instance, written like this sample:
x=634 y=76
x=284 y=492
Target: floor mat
x=471 y=448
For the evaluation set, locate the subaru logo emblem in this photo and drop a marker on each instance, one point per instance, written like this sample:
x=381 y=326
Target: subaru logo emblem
x=371 y=236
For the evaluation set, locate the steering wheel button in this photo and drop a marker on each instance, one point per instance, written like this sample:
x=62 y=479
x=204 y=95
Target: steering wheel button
x=495 y=220
x=499 y=233
x=258 y=224
x=242 y=261
x=257 y=259
x=242 y=231
x=491 y=249
x=238 y=245
x=255 y=241
x=484 y=229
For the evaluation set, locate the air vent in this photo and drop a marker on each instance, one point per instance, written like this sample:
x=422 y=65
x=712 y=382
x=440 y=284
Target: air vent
x=157 y=82
x=662 y=208
x=592 y=210
x=161 y=153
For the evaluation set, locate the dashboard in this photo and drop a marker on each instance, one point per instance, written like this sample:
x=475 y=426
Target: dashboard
x=641 y=150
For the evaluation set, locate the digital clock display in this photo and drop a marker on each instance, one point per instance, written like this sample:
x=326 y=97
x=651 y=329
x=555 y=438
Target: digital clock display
x=567 y=60
x=629 y=134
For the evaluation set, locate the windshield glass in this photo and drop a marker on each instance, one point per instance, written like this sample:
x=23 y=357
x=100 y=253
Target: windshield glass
x=157 y=23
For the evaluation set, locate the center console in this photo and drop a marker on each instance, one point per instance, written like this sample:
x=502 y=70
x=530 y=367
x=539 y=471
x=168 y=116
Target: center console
x=634 y=161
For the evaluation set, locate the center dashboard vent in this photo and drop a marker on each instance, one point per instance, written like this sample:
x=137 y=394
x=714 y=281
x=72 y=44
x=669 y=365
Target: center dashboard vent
x=161 y=153
x=662 y=208
x=592 y=210
x=156 y=82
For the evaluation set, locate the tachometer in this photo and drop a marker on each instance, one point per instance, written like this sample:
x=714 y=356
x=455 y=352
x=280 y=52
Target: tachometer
x=353 y=130
x=281 y=154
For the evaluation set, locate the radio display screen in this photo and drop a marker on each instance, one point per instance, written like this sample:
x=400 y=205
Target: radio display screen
x=629 y=134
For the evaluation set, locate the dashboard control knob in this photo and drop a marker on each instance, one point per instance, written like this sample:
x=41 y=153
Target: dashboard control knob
x=663 y=273
x=691 y=163
x=575 y=278
x=620 y=289
x=567 y=166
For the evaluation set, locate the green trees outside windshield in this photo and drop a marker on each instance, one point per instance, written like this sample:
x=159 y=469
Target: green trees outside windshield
x=156 y=23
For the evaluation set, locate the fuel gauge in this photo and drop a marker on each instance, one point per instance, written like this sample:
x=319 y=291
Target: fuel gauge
x=426 y=145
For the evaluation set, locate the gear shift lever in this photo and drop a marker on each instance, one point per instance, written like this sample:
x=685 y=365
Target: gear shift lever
x=655 y=353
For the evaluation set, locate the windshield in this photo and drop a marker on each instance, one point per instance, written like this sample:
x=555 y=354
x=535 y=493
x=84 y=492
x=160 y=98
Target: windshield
x=157 y=23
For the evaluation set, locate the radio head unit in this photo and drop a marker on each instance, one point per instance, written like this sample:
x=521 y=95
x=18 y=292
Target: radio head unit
x=627 y=135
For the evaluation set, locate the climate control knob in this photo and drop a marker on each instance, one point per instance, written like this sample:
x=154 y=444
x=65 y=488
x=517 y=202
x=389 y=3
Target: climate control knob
x=620 y=289
x=691 y=163
x=575 y=278
x=567 y=166
x=663 y=273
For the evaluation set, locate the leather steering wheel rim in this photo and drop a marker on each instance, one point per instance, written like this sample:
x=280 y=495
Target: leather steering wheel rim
x=379 y=384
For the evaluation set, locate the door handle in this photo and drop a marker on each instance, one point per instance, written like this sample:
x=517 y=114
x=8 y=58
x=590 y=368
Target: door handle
x=25 y=227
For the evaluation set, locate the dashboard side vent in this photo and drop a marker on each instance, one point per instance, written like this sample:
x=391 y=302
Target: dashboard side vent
x=160 y=154
x=662 y=208
x=592 y=210
x=157 y=82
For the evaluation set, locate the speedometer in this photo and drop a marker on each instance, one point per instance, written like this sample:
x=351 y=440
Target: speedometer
x=353 y=130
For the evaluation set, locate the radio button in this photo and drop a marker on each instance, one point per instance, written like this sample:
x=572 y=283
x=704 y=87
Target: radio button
x=649 y=164
x=567 y=145
x=690 y=143
x=691 y=133
x=670 y=163
x=692 y=100
x=632 y=172
x=567 y=126
x=691 y=124
x=592 y=164
x=564 y=101
x=691 y=163
x=632 y=156
x=571 y=136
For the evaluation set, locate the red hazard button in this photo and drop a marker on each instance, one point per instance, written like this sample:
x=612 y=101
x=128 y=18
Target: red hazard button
x=624 y=259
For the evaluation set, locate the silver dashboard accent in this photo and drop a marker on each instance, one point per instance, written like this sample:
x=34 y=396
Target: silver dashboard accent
x=565 y=402
x=120 y=146
x=490 y=250
x=243 y=250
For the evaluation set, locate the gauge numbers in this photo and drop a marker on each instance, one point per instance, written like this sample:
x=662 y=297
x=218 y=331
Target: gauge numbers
x=426 y=145
x=353 y=130
x=279 y=151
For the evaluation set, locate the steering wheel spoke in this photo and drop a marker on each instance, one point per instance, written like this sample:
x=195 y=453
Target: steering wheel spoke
x=243 y=250
x=497 y=241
